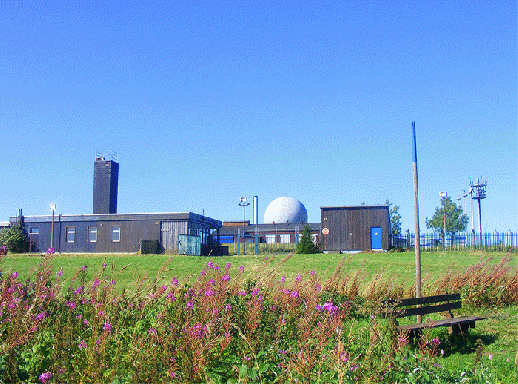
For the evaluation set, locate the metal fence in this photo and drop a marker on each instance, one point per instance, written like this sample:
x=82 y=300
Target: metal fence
x=500 y=241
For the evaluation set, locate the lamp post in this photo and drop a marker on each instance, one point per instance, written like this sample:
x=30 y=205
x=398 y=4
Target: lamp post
x=243 y=202
x=53 y=208
x=444 y=195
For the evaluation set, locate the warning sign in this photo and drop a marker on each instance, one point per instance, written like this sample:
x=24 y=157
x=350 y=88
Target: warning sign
x=325 y=231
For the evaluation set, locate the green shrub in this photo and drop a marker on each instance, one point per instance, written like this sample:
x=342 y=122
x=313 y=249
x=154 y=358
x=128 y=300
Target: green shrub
x=15 y=238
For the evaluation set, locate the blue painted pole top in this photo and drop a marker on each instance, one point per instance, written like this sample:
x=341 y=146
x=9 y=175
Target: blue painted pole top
x=414 y=147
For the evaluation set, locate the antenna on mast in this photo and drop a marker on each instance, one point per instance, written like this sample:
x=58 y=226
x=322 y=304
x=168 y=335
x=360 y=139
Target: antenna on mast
x=478 y=192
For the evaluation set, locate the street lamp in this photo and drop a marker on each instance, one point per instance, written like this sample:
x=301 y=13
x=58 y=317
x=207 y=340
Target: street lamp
x=444 y=195
x=53 y=208
x=243 y=202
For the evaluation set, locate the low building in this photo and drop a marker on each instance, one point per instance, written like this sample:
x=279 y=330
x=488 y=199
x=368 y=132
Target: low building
x=114 y=233
x=278 y=233
x=355 y=228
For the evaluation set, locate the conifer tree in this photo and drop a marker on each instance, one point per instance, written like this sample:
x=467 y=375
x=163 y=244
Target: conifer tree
x=306 y=245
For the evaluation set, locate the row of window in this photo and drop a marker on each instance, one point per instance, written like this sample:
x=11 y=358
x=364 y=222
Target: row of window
x=284 y=238
x=70 y=234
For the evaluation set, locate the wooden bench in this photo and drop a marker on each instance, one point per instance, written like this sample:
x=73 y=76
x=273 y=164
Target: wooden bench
x=396 y=309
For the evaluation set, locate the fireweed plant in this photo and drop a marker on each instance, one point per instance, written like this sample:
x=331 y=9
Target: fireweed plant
x=225 y=325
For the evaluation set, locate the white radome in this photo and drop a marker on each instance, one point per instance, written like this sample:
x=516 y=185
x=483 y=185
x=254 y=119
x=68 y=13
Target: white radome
x=285 y=210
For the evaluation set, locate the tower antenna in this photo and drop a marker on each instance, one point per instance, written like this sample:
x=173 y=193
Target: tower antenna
x=478 y=192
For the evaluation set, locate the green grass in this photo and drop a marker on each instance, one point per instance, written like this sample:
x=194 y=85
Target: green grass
x=399 y=265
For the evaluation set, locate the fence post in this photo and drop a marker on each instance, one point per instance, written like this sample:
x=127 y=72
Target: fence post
x=256 y=242
x=238 y=241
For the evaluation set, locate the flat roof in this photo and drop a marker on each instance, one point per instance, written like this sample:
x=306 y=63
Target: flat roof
x=163 y=216
x=357 y=206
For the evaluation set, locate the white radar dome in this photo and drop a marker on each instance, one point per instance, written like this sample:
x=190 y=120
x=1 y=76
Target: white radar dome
x=285 y=210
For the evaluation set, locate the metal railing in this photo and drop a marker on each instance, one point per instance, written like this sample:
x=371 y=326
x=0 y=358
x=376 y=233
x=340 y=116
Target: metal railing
x=499 y=241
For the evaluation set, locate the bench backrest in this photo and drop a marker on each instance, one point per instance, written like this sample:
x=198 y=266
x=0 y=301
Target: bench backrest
x=423 y=305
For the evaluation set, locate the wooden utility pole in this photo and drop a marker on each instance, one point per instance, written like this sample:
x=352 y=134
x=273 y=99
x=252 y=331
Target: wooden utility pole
x=417 y=233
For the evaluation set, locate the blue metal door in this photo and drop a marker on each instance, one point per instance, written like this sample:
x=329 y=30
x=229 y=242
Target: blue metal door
x=376 y=238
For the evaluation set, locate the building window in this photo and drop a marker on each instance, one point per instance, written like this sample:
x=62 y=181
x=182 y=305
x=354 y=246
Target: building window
x=314 y=238
x=71 y=234
x=270 y=239
x=116 y=234
x=34 y=231
x=92 y=234
x=284 y=239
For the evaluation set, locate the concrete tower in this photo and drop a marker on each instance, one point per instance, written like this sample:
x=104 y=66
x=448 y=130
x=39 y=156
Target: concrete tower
x=106 y=182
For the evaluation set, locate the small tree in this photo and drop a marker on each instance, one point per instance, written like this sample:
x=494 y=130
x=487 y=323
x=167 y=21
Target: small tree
x=15 y=238
x=456 y=221
x=395 y=219
x=306 y=245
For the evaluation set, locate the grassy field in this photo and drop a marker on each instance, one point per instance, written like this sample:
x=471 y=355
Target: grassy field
x=129 y=267
x=488 y=354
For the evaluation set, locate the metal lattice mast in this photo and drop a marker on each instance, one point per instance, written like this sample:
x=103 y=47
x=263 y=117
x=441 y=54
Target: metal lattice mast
x=478 y=192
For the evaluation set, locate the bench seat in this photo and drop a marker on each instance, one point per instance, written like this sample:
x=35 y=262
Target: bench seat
x=463 y=322
x=427 y=305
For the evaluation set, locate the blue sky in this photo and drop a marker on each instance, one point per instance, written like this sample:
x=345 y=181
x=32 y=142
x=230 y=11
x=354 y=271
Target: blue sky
x=207 y=101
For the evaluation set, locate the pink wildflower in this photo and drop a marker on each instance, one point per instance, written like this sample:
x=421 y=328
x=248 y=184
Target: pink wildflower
x=171 y=296
x=45 y=377
x=172 y=375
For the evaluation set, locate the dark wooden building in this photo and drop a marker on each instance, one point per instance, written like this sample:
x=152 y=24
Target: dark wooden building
x=355 y=228
x=114 y=233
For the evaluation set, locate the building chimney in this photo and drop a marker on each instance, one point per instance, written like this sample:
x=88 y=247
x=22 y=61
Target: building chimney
x=106 y=182
x=256 y=209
